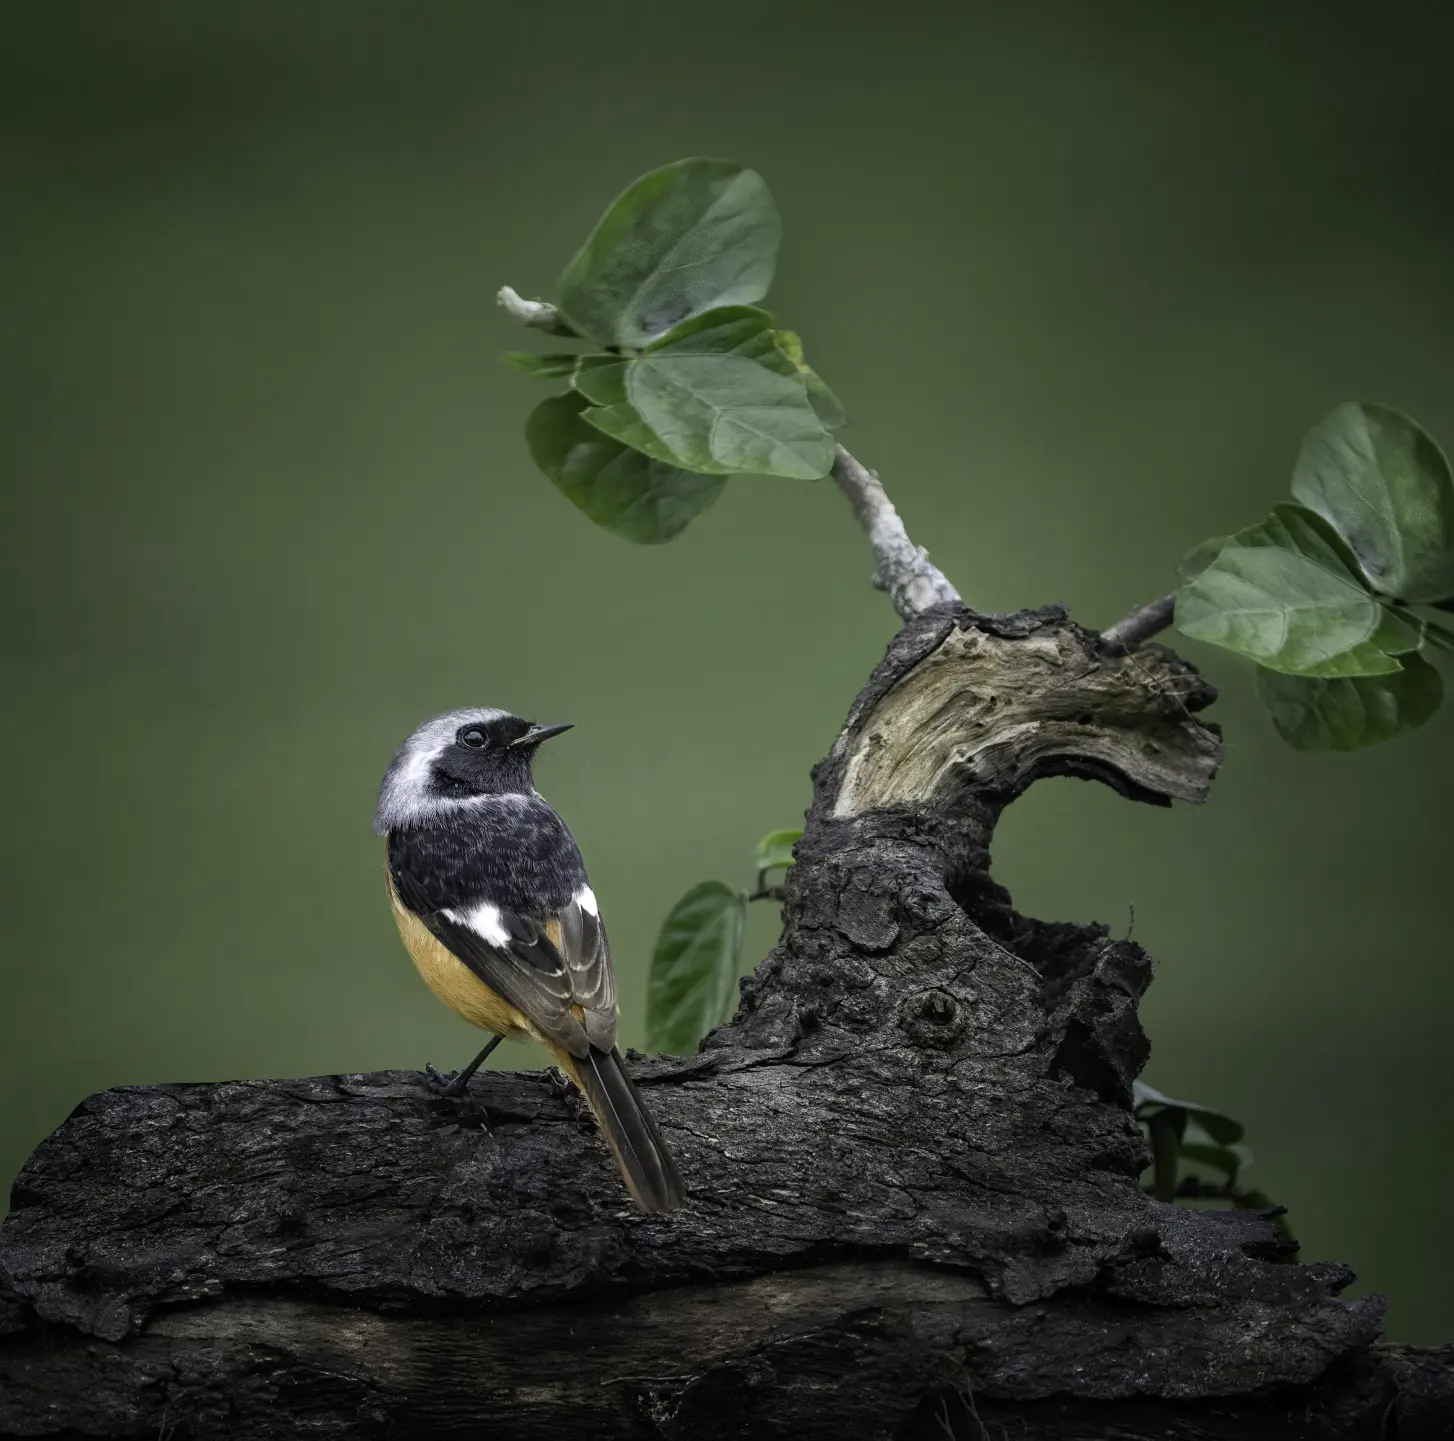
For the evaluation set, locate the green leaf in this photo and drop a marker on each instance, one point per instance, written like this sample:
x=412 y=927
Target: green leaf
x=542 y=367
x=601 y=379
x=694 y=968
x=715 y=395
x=1221 y=1128
x=1367 y=659
x=776 y=849
x=1297 y=531
x=1306 y=533
x=626 y=492
x=1199 y=557
x=1348 y=714
x=1287 y=592
x=1400 y=632
x=726 y=330
x=1281 y=609
x=826 y=405
x=1385 y=485
x=1286 y=527
x=729 y=415
x=680 y=240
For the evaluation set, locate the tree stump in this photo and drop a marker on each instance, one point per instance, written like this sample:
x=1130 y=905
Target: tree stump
x=913 y=1171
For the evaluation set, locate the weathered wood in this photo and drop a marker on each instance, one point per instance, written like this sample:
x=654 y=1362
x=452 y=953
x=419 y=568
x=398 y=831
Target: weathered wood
x=913 y=1171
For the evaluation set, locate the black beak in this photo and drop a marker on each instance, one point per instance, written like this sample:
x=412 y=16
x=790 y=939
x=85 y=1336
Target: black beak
x=536 y=734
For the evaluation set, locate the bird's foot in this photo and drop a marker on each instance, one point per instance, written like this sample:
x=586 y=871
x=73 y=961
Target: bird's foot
x=448 y=1084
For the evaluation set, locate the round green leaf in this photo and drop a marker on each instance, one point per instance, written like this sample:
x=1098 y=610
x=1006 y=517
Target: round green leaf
x=1399 y=632
x=1366 y=659
x=826 y=406
x=1296 y=528
x=723 y=330
x=1287 y=527
x=729 y=415
x=680 y=240
x=1147 y=1100
x=714 y=395
x=1199 y=557
x=1385 y=485
x=622 y=490
x=1348 y=714
x=724 y=396
x=1295 y=531
x=693 y=983
x=601 y=379
x=1279 y=608
x=775 y=849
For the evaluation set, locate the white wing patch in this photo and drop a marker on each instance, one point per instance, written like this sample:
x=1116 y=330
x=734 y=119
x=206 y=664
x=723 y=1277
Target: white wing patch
x=484 y=920
x=585 y=898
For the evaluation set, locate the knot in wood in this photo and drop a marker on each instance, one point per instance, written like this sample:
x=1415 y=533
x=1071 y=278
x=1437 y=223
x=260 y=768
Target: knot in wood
x=932 y=1018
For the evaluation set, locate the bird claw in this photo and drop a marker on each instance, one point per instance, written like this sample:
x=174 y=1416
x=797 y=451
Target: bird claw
x=446 y=1083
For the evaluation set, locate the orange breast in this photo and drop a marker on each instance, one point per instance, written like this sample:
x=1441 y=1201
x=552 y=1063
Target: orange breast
x=451 y=980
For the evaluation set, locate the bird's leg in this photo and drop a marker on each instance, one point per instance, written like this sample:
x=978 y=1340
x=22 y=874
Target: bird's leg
x=457 y=1082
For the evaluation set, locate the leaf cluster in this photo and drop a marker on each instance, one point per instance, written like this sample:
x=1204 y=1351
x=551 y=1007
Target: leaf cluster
x=1320 y=593
x=1197 y=1154
x=691 y=382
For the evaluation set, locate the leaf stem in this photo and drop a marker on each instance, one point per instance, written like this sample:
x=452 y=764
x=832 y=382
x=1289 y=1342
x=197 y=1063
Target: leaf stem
x=913 y=581
x=1142 y=623
x=1165 y=1153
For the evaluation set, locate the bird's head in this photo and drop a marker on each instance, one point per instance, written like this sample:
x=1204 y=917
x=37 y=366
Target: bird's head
x=456 y=757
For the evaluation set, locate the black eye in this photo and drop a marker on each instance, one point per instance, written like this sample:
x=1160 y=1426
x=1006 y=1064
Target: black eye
x=474 y=738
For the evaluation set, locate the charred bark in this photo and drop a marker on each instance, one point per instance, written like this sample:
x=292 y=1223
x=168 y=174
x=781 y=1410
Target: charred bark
x=913 y=1170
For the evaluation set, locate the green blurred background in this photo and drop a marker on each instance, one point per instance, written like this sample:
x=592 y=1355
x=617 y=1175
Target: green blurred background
x=1082 y=274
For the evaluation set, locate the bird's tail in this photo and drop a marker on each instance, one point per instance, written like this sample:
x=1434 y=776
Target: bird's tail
x=646 y=1165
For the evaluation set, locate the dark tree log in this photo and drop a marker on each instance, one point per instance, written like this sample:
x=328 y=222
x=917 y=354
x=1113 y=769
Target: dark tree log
x=913 y=1171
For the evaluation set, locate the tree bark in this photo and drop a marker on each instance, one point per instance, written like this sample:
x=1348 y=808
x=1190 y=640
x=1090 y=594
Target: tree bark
x=914 y=1208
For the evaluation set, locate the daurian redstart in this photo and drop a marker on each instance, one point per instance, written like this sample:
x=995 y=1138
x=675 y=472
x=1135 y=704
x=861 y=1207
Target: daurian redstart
x=490 y=894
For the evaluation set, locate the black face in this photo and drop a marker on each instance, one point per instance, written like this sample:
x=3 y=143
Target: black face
x=495 y=735
x=485 y=759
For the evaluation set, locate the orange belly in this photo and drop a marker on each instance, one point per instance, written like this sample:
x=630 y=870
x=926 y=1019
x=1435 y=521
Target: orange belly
x=451 y=980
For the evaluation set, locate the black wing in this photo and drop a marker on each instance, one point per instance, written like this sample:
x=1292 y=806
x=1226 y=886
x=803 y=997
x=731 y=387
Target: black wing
x=518 y=959
x=587 y=955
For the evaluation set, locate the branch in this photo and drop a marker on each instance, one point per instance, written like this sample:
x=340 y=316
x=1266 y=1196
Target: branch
x=1142 y=623
x=910 y=1158
x=913 y=581
x=912 y=1171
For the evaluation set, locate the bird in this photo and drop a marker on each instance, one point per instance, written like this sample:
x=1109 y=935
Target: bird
x=492 y=901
